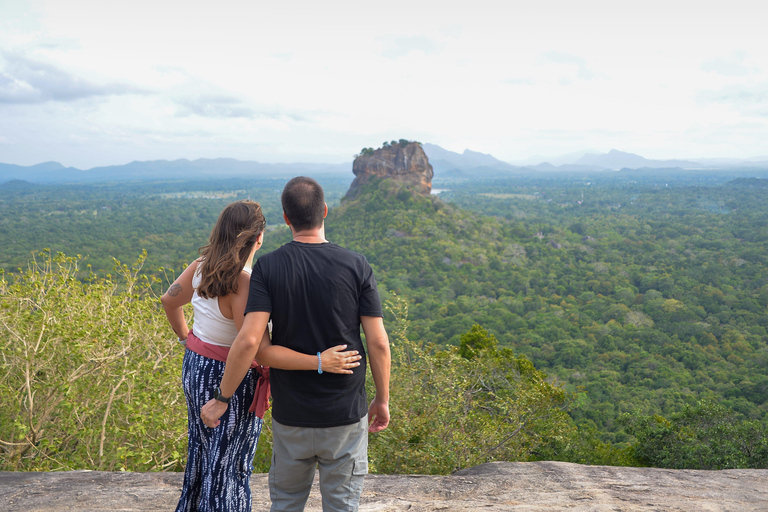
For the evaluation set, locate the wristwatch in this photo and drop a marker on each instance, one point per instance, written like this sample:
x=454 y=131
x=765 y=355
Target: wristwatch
x=217 y=396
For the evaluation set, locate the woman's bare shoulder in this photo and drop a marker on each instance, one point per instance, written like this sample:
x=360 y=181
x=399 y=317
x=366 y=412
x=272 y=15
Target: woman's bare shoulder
x=195 y=264
x=243 y=281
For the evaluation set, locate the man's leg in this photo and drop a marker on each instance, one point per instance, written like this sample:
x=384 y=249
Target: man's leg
x=343 y=463
x=293 y=467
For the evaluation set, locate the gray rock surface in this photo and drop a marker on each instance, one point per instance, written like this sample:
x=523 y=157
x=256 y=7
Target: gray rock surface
x=513 y=486
x=406 y=164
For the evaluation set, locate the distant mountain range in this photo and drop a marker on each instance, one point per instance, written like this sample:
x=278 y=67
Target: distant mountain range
x=54 y=172
x=469 y=159
x=447 y=164
x=458 y=164
x=615 y=159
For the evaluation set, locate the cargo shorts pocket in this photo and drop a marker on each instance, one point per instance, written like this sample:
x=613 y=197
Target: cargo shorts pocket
x=360 y=467
x=355 y=483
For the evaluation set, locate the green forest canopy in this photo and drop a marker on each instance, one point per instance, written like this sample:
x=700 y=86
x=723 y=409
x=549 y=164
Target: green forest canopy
x=640 y=294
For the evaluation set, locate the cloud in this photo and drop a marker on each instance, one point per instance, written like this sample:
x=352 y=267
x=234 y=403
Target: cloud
x=283 y=56
x=400 y=46
x=453 y=31
x=751 y=100
x=216 y=107
x=224 y=106
x=26 y=81
x=583 y=72
x=519 y=81
x=727 y=66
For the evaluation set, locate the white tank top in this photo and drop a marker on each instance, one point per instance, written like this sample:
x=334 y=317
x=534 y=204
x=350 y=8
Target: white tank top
x=210 y=325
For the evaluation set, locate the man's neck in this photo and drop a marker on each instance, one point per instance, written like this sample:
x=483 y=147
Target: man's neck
x=310 y=236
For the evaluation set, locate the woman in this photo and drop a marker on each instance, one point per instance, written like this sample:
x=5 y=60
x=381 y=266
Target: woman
x=219 y=462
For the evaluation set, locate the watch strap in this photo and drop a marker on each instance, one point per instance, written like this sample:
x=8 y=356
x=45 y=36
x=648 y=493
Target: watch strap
x=217 y=395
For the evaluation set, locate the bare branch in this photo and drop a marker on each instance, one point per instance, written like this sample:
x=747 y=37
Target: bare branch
x=106 y=415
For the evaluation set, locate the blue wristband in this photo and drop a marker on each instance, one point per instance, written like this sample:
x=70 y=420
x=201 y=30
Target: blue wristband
x=319 y=363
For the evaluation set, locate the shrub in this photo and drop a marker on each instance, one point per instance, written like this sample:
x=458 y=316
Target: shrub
x=451 y=412
x=90 y=373
x=704 y=436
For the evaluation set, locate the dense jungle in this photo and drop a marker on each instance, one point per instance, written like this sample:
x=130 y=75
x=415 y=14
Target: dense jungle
x=613 y=318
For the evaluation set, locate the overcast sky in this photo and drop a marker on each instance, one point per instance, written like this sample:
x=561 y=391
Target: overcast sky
x=94 y=82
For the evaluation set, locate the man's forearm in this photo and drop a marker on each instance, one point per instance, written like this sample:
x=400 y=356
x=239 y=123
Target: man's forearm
x=379 y=356
x=238 y=364
x=380 y=361
x=243 y=351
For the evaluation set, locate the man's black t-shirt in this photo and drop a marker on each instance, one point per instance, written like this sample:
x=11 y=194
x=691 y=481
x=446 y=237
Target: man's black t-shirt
x=316 y=294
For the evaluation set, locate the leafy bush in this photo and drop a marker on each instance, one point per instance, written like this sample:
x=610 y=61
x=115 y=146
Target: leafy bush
x=704 y=436
x=584 y=446
x=450 y=412
x=90 y=375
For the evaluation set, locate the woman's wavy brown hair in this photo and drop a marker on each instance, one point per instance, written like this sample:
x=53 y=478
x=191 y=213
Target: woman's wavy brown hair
x=229 y=246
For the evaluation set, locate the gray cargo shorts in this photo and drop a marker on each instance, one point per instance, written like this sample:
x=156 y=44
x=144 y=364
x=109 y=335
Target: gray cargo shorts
x=339 y=453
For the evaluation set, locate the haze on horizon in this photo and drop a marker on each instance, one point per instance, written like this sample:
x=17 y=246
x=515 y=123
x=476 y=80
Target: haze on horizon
x=90 y=83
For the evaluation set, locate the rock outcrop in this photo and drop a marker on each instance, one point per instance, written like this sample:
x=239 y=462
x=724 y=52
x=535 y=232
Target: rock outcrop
x=493 y=487
x=403 y=162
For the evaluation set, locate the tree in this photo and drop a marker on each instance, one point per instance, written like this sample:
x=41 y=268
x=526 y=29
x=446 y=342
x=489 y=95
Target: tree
x=477 y=341
x=705 y=435
x=451 y=412
x=89 y=375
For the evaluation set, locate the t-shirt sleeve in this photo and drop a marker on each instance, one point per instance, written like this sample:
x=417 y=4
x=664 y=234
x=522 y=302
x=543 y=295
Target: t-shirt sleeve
x=370 y=303
x=258 y=293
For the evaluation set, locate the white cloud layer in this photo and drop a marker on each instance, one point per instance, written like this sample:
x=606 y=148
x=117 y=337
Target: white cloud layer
x=97 y=83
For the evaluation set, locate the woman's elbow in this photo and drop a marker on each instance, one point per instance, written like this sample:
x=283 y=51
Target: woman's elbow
x=169 y=303
x=262 y=354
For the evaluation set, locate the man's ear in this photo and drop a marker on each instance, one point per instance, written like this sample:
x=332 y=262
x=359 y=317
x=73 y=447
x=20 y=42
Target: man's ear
x=325 y=214
x=285 y=218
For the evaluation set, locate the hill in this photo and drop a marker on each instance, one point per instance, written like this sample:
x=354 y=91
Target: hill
x=615 y=159
x=182 y=169
x=449 y=163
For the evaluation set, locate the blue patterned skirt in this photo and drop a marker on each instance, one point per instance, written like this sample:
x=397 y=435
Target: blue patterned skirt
x=219 y=460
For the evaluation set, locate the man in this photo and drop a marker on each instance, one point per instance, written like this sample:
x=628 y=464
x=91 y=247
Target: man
x=317 y=295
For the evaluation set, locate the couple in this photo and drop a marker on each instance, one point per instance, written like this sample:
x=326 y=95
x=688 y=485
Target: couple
x=317 y=296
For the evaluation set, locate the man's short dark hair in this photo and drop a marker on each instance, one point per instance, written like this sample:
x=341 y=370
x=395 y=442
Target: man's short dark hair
x=303 y=203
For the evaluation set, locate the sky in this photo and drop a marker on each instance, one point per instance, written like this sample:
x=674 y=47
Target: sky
x=91 y=82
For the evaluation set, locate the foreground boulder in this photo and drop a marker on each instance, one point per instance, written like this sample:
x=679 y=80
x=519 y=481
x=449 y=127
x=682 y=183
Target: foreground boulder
x=497 y=486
